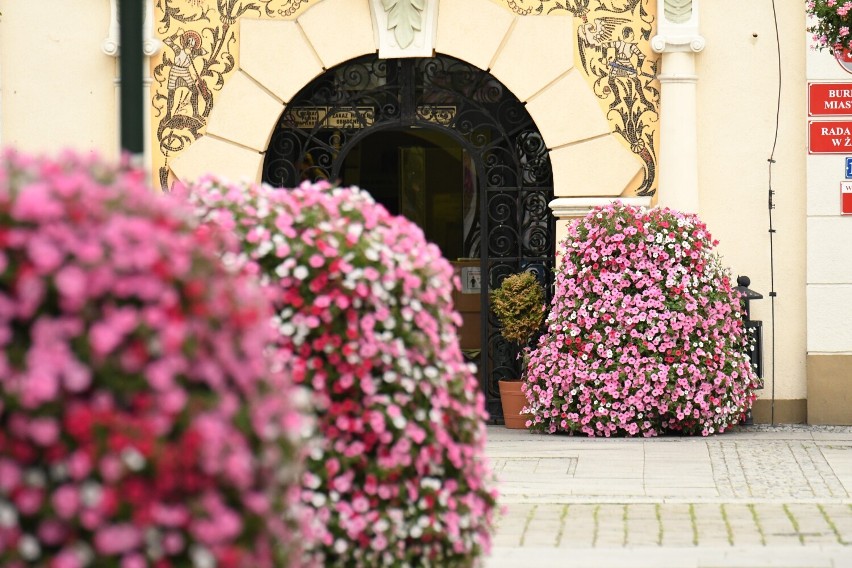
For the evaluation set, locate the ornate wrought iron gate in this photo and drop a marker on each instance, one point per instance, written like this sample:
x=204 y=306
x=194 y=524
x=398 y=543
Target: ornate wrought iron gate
x=514 y=229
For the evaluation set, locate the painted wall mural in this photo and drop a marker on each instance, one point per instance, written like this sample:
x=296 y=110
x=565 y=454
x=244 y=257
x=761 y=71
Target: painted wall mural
x=613 y=50
x=200 y=40
x=200 y=51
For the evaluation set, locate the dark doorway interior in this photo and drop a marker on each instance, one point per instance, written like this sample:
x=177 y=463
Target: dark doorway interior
x=421 y=174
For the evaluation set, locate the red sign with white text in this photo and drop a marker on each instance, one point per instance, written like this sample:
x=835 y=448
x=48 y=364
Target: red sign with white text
x=846 y=197
x=844 y=58
x=829 y=99
x=830 y=137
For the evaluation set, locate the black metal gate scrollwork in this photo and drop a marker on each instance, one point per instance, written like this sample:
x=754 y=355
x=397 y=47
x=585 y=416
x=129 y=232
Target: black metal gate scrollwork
x=514 y=229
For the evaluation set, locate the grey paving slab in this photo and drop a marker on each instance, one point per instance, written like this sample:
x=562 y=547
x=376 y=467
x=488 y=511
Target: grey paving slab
x=717 y=557
x=832 y=436
x=746 y=498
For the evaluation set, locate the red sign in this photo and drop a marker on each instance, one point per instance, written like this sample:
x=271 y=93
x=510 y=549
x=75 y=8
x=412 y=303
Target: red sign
x=829 y=99
x=830 y=137
x=844 y=58
x=846 y=197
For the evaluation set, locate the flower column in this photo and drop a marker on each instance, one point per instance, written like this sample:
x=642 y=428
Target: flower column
x=678 y=41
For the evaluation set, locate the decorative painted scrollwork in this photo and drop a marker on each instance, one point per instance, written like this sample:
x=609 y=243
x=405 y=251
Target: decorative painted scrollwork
x=610 y=44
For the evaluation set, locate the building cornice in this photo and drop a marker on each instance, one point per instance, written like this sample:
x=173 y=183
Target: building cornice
x=563 y=207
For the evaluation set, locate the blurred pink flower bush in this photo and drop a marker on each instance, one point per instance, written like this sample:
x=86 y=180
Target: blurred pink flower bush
x=397 y=475
x=141 y=420
x=644 y=334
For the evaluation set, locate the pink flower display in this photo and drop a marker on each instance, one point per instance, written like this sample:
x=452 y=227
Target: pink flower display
x=396 y=475
x=644 y=335
x=143 y=421
x=829 y=24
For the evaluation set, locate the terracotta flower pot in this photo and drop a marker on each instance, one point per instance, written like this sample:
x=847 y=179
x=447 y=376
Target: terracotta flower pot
x=513 y=400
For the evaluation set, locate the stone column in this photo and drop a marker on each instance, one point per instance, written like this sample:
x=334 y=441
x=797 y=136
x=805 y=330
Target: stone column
x=678 y=41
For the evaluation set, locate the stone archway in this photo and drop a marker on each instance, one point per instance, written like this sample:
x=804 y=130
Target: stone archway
x=532 y=56
x=503 y=187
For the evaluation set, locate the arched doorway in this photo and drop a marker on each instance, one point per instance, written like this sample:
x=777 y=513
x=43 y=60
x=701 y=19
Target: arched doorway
x=505 y=175
x=423 y=174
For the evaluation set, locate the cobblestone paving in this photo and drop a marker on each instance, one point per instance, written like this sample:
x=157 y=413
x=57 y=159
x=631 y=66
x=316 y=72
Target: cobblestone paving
x=608 y=525
x=760 y=497
x=798 y=470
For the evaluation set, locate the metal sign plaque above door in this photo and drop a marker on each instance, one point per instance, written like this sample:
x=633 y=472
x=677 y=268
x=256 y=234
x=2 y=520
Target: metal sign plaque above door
x=329 y=117
x=360 y=117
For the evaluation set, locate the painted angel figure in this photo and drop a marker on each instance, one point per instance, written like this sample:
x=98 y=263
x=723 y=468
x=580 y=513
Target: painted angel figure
x=610 y=53
x=183 y=73
x=625 y=49
x=599 y=37
x=591 y=37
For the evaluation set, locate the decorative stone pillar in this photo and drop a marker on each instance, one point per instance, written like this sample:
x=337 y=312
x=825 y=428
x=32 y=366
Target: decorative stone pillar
x=678 y=40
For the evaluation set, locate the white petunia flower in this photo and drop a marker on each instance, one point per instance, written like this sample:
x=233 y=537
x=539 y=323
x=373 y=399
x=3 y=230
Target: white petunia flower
x=301 y=272
x=201 y=557
x=8 y=515
x=35 y=478
x=133 y=459
x=28 y=547
x=90 y=493
x=264 y=248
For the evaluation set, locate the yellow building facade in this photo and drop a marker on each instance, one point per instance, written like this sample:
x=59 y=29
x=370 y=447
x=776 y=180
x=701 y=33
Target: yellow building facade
x=582 y=43
x=658 y=102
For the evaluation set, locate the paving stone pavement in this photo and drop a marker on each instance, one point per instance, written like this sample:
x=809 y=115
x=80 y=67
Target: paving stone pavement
x=752 y=497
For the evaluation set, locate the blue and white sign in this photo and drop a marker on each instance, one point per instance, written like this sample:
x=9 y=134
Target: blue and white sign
x=848 y=168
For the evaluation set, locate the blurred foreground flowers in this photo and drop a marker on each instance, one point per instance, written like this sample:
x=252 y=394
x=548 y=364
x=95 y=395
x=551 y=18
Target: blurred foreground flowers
x=397 y=474
x=142 y=420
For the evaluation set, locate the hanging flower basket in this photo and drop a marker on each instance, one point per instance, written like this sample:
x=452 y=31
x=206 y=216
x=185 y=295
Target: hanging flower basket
x=831 y=20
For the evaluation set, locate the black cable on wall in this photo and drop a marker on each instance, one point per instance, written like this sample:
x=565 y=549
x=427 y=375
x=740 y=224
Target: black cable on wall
x=771 y=203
